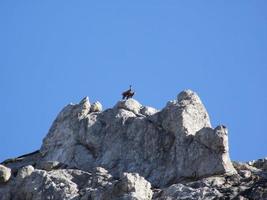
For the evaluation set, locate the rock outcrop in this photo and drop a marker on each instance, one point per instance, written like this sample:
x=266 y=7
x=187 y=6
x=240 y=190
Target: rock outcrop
x=5 y=174
x=133 y=151
x=170 y=145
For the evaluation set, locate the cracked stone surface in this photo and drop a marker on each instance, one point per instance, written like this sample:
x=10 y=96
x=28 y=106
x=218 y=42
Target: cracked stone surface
x=175 y=143
x=136 y=152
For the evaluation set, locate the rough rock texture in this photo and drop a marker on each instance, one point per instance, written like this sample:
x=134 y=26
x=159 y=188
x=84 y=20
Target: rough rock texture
x=147 y=111
x=134 y=152
x=63 y=184
x=172 y=144
x=25 y=171
x=5 y=174
x=96 y=107
x=251 y=185
x=133 y=186
x=261 y=163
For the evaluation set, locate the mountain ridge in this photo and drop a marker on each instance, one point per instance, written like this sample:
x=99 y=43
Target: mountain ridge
x=133 y=151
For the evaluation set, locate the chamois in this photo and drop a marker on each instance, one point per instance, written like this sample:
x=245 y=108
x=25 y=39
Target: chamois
x=128 y=94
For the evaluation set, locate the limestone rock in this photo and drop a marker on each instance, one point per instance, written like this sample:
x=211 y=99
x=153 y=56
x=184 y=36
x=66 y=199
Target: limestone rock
x=132 y=186
x=85 y=106
x=96 y=107
x=65 y=184
x=244 y=166
x=21 y=161
x=25 y=172
x=5 y=174
x=188 y=97
x=233 y=186
x=261 y=164
x=130 y=105
x=49 y=165
x=172 y=144
x=186 y=115
x=180 y=191
x=61 y=142
x=133 y=152
x=43 y=185
x=148 y=111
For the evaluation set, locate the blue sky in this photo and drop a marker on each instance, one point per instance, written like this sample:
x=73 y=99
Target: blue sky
x=56 y=52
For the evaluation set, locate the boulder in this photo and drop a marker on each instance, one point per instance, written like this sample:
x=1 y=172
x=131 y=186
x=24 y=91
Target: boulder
x=25 y=172
x=5 y=174
x=96 y=107
x=132 y=186
x=130 y=105
x=148 y=111
x=186 y=115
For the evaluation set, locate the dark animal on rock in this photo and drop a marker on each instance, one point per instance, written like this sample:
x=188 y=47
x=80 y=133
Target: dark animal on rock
x=128 y=94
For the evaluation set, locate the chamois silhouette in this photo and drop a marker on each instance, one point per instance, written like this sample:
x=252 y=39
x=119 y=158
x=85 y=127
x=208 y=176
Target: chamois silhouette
x=128 y=93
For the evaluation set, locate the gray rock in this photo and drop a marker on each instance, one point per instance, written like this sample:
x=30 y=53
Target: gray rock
x=134 y=152
x=148 y=111
x=132 y=186
x=180 y=191
x=5 y=174
x=65 y=184
x=186 y=116
x=42 y=185
x=61 y=142
x=130 y=105
x=49 y=165
x=218 y=187
x=261 y=164
x=24 y=160
x=244 y=166
x=25 y=172
x=85 y=104
x=245 y=173
x=4 y=194
x=96 y=107
x=172 y=144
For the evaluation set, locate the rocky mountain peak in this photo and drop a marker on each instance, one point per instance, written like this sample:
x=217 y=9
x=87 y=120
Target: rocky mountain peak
x=160 y=147
x=129 y=151
x=188 y=97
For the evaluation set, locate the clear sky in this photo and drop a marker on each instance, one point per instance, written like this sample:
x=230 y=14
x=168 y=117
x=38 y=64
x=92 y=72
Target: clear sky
x=56 y=52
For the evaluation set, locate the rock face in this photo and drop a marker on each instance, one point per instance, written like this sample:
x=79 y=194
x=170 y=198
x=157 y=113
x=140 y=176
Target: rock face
x=133 y=152
x=165 y=147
